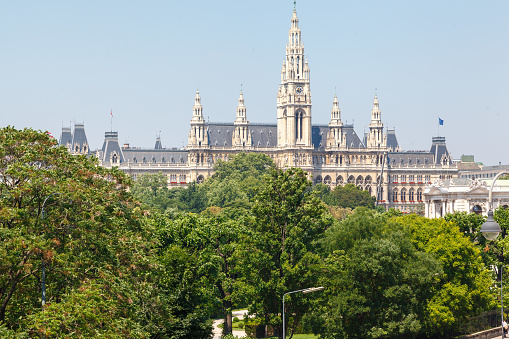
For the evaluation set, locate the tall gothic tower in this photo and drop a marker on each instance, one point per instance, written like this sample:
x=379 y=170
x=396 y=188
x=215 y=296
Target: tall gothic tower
x=294 y=95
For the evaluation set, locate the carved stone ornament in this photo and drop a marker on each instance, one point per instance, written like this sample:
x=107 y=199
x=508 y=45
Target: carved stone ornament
x=477 y=183
x=437 y=183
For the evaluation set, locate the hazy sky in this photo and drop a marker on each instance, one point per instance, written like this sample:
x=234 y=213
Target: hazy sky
x=73 y=61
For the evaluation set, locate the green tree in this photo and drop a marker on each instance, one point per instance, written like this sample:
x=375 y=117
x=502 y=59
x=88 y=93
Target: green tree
x=212 y=241
x=464 y=289
x=282 y=253
x=377 y=282
x=399 y=276
x=152 y=189
x=349 y=196
x=92 y=241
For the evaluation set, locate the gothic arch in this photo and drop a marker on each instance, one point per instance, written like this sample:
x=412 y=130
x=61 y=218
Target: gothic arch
x=318 y=179
x=351 y=179
x=339 y=180
x=327 y=180
x=359 y=181
x=411 y=195
x=403 y=194
x=299 y=123
x=200 y=179
x=395 y=195
x=419 y=194
x=367 y=180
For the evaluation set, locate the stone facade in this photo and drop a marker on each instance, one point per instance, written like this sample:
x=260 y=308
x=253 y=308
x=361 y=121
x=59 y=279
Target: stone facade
x=332 y=154
x=463 y=195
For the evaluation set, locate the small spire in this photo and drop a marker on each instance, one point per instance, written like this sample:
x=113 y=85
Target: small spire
x=294 y=5
x=240 y=88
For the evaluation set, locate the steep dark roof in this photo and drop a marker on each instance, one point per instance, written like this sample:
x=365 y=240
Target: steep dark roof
x=439 y=149
x=220 y=135
x=66 y=136
x=111 y=146
x=158 y=145
x=392 y=141
x=319 y=136
x=263 y=135
x=79 y=137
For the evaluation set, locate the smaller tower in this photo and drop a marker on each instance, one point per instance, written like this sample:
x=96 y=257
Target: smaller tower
x=376 y=137
x=241 y=137
x=197 y=135
x=158 y=144
x=66 y=138
x=335 y=135
x=79 y=140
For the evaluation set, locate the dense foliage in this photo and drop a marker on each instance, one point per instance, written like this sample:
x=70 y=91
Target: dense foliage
x=163 y=267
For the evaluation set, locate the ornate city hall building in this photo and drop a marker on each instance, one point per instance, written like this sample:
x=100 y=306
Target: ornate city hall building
x=332 y=154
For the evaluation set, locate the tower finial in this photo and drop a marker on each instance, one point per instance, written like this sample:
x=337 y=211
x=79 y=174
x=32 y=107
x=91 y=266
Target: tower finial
x=240 y=88
x=294 y=5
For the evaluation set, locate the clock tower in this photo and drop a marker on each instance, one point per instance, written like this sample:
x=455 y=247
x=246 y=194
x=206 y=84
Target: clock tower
x=294 y=94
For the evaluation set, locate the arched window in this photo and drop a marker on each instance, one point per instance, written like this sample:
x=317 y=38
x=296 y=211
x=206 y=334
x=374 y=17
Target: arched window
x=339 y=180
x=200 y=179
x=367 y=181
x=327 y=180
x=318 y=179
x=411 y=195
x=298 y=124
x=403 y=195
x=359 y=181
x=477 y=209
x=419 y=194
x=395 y=195
x=351 y=179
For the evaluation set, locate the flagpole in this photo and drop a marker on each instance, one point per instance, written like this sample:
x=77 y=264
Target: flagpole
x=111 y=120
x=438 y=128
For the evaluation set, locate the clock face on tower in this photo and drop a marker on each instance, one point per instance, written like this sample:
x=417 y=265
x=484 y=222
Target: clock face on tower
x=299 y=90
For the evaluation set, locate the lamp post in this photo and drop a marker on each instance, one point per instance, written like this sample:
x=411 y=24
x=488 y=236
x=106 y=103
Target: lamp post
x=305 y=290
x=491 y=229
x=43 y=275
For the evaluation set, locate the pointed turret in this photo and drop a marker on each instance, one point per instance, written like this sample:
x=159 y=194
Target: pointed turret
x=241 y=136
x=197 y=134
x=376 y=137
x=241 y=109
x=197 y=108
x=335 y=135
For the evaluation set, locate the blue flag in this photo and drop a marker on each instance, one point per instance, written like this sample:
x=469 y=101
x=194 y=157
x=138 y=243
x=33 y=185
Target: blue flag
x=440 y=121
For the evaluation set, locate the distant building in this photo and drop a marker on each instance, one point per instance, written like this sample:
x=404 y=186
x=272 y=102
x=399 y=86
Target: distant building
x=464 y=195
x=75 y=141
x=332 y=154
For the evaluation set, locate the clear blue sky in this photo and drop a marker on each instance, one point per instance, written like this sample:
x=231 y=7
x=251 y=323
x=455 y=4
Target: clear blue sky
x=64 y=61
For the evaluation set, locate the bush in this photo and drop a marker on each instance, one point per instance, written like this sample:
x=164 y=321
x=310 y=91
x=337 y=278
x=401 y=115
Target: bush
x=235 y=319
